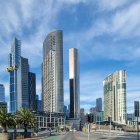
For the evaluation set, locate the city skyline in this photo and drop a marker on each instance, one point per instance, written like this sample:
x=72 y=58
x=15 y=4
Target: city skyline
x=105 y=40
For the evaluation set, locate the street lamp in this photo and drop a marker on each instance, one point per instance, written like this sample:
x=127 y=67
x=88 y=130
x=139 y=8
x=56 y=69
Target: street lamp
x=99 y=120
x=110 y=124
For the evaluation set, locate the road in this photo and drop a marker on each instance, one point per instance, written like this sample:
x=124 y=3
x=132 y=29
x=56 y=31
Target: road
x=93 y=136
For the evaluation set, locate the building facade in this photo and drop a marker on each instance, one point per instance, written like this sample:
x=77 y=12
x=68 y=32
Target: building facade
x=2 y=93
x=74 y=83
x=38 y=104
x=115 y=97
x=32 y=90
x=14 y=61
x=93 y=111
x=49 y=120
x=99 y=104
x=22 y=86
x=3 y=105
x=52 y=72
x=19 y=78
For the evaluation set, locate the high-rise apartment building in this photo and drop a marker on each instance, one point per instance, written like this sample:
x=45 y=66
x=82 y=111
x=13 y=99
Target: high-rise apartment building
x=99 y=104
x=2 y=93
x=14 y=61
x=74 y=83
x=52 y=72
x=32 y=90
x=115 y=96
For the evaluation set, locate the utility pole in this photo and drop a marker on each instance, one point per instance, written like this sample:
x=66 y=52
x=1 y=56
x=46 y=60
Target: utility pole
x=110 y=125
x=136 y=109
x=89 y=120
x=99 y=123
x=137 y=129
x=88 y=131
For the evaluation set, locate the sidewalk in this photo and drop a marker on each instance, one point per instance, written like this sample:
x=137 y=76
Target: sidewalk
x=46 y=136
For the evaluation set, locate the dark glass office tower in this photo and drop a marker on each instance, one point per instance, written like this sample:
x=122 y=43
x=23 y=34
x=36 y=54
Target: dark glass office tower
x=2 y=93
x=22 y=86
x=99 y=104
x=14 y=60
x=32 y=90
x=52 y=72
x=74 y=83
x=38 y=104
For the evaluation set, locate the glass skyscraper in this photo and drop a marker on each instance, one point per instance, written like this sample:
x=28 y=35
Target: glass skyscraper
x=19 y=79
x=52 y=72
x=99 y=104
x=2 y=93
x=115 y=97
x=14 y=61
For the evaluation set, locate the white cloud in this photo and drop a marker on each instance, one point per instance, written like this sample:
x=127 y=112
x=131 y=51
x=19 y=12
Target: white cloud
x=126 y=21
x=72 y=1
x=111 y=4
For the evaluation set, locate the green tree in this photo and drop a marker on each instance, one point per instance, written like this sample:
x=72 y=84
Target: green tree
x=26 y=118
x=6 y=119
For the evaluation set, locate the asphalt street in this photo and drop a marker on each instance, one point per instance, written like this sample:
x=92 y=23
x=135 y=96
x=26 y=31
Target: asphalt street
x=93 y=136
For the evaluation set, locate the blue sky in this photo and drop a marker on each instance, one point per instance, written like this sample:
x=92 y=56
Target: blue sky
x=106 y=33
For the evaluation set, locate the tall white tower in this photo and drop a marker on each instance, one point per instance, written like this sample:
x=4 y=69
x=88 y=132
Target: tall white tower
x=74 y=83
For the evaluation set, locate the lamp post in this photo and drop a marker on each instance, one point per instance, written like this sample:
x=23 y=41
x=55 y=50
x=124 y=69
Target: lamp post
x=99 y=120
x=136 y=109
x=110 y=125
x=88 y=131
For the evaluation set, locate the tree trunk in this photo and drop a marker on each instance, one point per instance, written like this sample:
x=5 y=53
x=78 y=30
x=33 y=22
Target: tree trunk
x=25 y=131
x=4 y=129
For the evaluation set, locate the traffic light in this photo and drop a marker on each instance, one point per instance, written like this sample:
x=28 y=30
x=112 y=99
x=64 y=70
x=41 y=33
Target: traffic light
x=136 y=108
x=89 y=118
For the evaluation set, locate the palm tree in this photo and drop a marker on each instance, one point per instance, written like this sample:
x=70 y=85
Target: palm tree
x=26 y=118
x=6 y=119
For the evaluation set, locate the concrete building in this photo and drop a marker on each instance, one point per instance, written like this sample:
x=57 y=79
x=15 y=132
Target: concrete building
x=82 y=117
x=74 y=83
x=2 y=93
x=92 y=111
x=49 y=120
x=98 y=104
x=3 y=105
x=52 y=72
x=82 y=111
x=115 y=97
